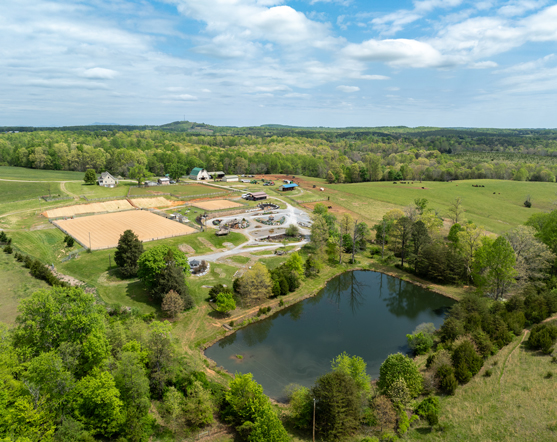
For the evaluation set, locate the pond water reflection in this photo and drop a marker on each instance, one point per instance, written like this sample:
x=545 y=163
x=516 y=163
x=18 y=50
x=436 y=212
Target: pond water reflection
x=363 y=313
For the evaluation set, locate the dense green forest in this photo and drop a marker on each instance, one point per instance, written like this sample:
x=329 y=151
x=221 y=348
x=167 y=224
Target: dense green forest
x=349 y=154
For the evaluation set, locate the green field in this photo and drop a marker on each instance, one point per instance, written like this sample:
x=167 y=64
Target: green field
x=21 y=173
x=16 y=191
x=16 y=285
x=516 y=403
x=93 y=268
x=94 y=191
x=498 y=206
x=178 y=190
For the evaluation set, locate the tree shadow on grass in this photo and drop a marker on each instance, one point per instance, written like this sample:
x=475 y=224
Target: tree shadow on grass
x=137 y=292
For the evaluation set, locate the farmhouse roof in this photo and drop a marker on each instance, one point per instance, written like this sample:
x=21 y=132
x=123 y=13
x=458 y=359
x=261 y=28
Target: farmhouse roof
x=106 y=175
x=196 y=170
x=289 y=186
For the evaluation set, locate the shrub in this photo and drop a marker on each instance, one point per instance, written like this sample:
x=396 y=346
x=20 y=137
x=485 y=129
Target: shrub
x=447 y=380
x=483 y=343
x=451 y=329
x=466 y=362
x=488 y=373
x=429 y=409
x=400 y=366
x=374 y=250
x=420 y=342
x=542 y=337
x=8 y=249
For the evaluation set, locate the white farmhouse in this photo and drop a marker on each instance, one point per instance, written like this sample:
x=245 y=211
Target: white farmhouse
x=107 y=180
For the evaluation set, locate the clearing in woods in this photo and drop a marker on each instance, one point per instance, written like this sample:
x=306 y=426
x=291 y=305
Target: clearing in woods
x=107 y=206
x=217 y=205
x=105 y=230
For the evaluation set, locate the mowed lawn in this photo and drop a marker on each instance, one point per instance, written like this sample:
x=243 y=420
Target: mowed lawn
x=17 y=191
x=21 y=173
x=498 y=206
x=94 y=191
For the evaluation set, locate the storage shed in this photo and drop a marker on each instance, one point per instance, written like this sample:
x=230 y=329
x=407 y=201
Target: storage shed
x=230 y=178
x=287 y=187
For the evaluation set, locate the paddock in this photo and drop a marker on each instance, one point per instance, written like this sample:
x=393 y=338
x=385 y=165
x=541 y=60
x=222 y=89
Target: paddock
x=105 y=229
x=80 y=209
x=217 y=205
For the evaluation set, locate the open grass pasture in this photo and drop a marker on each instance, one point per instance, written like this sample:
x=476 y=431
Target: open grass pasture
x=11 y=191
x=182 y=190
x=21 y=173
x=516 y=403
x=47 y=245
x=16 y=285
x=94 y=191
x=498 y=206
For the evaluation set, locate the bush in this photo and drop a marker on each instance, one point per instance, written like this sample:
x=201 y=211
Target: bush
x=421 y=340
x=374 y=250
x=8 y=249
x=483 y=343
x=447 y=380
x=400 y=366
x=466 y=362
x=542 y=337
x=451 y=329
x=429 y=409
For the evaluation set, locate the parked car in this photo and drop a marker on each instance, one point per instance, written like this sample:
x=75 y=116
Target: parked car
x=172 y=182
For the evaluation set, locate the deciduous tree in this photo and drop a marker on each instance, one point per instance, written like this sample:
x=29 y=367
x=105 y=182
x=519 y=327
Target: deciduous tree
x=494 y=265
x=172 y=304
x=90 y=176
x=256 y=283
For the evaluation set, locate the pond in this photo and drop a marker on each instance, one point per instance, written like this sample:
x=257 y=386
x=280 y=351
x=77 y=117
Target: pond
x=363 y=313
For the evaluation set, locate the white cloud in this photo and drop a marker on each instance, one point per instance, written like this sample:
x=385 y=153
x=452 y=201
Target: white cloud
x=99 y=73
x=296 y=95
x=348 y=89
x=394 y=22
x=186 y=97
x=519 y=7
x=249 y=20
x=529 y=65
x=483 y=65
x=397 y=53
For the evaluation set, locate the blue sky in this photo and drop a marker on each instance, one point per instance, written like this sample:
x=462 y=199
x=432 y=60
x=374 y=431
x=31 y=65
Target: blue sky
x=446 y=63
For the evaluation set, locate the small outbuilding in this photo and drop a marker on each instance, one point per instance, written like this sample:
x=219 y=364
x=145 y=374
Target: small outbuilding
x=164 y=181
x=230 y=178
x=288 y=187
x=199 y=174
x=107 y=180
x=219 y=175
x=257 y=196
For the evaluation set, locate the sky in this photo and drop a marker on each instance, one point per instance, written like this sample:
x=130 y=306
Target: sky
x=333 y=63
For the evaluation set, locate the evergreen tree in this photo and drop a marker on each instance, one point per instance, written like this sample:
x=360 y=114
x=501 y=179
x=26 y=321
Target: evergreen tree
x=127 y=253
x=338 y=405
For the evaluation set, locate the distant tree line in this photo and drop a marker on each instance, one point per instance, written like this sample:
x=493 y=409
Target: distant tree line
x=374 y=157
